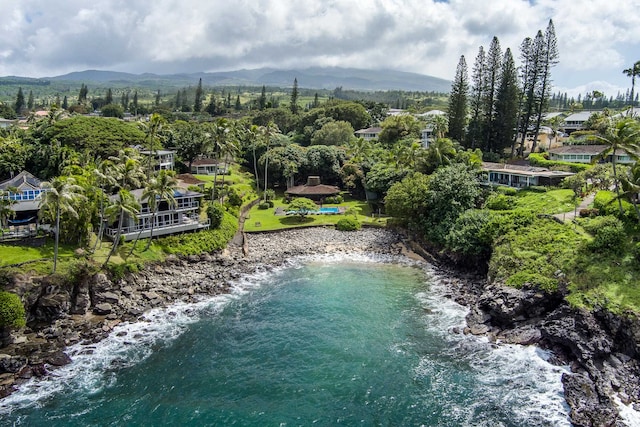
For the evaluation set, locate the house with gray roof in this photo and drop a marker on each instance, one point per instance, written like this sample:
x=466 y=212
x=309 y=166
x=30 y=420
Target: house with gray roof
x=520 y=176
x=587 y=154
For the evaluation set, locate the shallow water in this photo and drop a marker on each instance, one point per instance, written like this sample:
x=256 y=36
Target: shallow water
x=324 y=342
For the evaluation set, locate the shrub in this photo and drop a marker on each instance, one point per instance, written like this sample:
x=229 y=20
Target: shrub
x=467 y=237
x=270 y=194
x=215 y=212
x=537 y=189
x=508 y=191
x=608 y=234
x=11 y=311
x=606 y=203
x=589 y=212
x=348 y=224
x=336 y=200
x=233 y=197
x=202 y=241
x=536 y=280
x=537 y=159
x=499 y=202
x=264 y=205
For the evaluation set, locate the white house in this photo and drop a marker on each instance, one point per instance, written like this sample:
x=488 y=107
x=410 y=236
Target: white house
x=184 y=216
x=576 y=121
x=206 y=166
x=163 y=159
x=586 y=154
x=520 y=176
x=369 y=134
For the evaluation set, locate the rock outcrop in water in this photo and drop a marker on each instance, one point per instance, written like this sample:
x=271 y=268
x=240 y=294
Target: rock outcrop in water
x=601 y=349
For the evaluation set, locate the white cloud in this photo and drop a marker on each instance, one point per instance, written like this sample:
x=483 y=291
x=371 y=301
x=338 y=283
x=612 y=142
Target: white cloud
x=597 y=38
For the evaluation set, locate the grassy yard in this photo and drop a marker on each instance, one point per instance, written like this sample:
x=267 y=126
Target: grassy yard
x=550 y=202
x=266 y=220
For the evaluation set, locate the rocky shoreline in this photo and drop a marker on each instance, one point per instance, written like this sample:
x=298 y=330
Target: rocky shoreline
x=602 y=350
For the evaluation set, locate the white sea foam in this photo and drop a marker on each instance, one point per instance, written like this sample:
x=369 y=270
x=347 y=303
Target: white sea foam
x=94 y=366
x=629 y=415
x=515 y=376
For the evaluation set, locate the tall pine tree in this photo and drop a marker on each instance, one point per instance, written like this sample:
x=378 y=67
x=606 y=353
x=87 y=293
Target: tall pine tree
x=531 y=55
x=506 y=114
x=262 y=101
x=457 y=111
x=474 y=135
x=30 y=100
x=20 y=104
x=294 y=97
x=548 y=59
x=109 y=97
x=491 y=81
x=197 y=105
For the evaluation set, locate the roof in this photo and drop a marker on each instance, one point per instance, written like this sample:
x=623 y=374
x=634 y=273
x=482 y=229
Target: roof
x=205 y=162
x=23 y=180
x=551 y=115
x=187 y=178
x=317 y=190
x=582 y=116
x=523 y=170
x=579 y=149
x=370 y=130
x=178 y=193
x=157 y=152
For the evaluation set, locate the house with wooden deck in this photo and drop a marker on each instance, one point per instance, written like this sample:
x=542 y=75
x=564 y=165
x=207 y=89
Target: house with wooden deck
x=182 y=217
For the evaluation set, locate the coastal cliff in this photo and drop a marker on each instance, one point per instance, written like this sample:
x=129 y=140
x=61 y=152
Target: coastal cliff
x=602 y=349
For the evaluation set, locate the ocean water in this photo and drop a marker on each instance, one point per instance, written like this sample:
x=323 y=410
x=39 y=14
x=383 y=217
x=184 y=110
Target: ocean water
x=325 y=341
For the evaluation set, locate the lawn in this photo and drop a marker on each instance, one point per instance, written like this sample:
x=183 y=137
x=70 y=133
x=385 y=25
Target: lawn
x=549 y=202
x=266 y=220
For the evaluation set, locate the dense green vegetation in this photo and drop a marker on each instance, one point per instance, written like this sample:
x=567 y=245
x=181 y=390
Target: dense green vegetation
x=266 y=139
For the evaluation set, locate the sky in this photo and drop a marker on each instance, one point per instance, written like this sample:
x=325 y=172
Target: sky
x=597 y=39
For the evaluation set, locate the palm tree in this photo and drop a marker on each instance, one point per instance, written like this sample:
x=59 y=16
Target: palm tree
x=229 y=148
x=128 y=171
x=152 y=129
x=633 y=72
x=61 y=195
x=6 y=212
x=360 y=150
x=440 y=153
x=267 y=132
x=253 y=135
x=621 y=136
x=124 y=205
x=630 y=183
x=163 y=187
x=218 y=137
x=104 y=177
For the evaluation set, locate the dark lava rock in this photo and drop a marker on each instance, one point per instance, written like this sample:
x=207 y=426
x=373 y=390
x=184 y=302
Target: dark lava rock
x=59 y=358
x=587 y=409
x=11 y=364
x=102 y=309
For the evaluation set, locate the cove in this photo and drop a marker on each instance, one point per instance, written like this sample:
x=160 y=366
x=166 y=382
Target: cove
x=325 y=341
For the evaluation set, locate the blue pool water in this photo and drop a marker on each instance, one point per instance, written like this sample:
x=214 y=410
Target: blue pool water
x=328 y=210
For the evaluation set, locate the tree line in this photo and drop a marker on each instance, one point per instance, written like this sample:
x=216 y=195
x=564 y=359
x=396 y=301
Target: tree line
x=502 y=101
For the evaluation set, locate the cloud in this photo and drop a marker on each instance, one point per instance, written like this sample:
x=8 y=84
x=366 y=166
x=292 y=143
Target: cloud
x=40 y=37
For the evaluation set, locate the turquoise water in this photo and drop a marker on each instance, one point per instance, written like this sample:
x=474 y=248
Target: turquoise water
x=325 y=342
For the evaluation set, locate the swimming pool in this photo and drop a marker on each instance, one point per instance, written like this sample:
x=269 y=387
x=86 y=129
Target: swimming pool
x=321 y=211
x=333 y=210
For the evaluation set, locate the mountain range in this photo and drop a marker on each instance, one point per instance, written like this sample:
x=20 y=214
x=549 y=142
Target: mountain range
x=310 y=78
